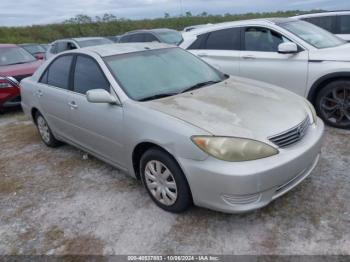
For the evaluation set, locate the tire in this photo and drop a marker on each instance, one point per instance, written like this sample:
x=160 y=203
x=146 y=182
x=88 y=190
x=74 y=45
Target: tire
x=333 y=104
x=45 y=132
x=175 y=183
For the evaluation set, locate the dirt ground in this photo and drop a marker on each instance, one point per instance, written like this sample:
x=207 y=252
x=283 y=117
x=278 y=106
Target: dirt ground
x=52 y=201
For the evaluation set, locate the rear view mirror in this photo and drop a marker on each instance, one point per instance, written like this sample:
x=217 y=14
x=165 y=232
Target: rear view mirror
x=288 y=48
x=100 y=96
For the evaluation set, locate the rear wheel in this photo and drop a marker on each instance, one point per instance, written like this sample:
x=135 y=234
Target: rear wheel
x=333 y=104
x=45 y=132
x=164 y=181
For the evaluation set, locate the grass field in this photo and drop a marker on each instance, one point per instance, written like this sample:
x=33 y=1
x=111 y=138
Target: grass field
x=108 y=25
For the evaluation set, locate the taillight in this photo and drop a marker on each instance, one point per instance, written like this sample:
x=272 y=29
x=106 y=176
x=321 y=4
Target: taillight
x=8 y=82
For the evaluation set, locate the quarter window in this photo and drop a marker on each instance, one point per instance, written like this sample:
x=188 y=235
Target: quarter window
x=262 y=39
x=88 y=75
x=57 y=74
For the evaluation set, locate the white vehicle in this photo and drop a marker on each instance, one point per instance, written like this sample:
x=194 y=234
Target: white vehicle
x=287 y=52
x=67 y=44
x=337 y=22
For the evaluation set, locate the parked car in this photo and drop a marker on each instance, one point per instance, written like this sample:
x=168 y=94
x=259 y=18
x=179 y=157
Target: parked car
x=290 y=53
x=162 y=35
x=337 y=22
x=73 y=43
x=15 y=64
x=35 y=49
x=187 y=130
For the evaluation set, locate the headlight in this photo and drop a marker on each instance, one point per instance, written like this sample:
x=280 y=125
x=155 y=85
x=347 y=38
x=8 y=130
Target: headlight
x=234 y=149
x=313 y=112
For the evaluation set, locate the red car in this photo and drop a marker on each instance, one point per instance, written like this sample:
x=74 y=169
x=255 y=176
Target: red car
x=15 y=64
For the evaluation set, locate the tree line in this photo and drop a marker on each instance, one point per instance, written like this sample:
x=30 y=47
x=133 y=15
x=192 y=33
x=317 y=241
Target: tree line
x=110 y=25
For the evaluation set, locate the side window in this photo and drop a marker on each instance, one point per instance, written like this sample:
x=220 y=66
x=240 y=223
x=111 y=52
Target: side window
x=325 y=22
x=124 y=39
x=88 y=75
x=137 y=38
x=226 y=39
x=262 y=39
x=71 y=46
x=344 y=24
x=57 y=74
x=150 y=38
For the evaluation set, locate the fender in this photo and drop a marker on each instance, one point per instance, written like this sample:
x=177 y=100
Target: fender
x=323 y=81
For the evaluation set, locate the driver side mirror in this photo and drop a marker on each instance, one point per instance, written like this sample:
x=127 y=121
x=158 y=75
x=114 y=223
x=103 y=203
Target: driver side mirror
x=101 y=96
x=287 y=48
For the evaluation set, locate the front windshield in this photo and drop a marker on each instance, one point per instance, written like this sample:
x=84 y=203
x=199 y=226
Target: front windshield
x=34 y=49
x=170 y=37
x=14 y=55
x=93 y=42
x=312 y=34
x=163 y=71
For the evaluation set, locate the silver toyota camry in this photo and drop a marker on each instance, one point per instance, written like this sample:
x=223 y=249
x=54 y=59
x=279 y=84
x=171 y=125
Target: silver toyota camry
x=191 y=133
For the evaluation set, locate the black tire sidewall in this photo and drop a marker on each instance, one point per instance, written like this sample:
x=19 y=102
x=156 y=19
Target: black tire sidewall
x=319 y=97
x=184 y=197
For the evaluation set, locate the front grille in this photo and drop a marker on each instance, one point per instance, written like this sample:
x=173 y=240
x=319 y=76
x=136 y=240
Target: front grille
x=292 y=135
x=20 y=77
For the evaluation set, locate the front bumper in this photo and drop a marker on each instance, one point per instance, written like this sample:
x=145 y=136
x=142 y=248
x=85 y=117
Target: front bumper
x=235 y=187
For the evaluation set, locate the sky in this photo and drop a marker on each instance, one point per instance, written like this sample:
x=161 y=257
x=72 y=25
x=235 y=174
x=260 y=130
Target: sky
x=29 y=12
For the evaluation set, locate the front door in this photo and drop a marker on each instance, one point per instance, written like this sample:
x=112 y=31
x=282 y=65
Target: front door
x=96 y=127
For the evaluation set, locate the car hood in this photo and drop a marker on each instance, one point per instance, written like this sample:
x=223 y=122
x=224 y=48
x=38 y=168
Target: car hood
x=339 y=53
x=20 y=69
x=237 y=107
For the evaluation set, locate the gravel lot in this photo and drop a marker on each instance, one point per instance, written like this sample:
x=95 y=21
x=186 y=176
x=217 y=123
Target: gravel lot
x=52 y=201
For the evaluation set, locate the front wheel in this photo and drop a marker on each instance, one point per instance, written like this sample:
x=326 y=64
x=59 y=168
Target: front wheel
x=164 y=181
x=333 y=104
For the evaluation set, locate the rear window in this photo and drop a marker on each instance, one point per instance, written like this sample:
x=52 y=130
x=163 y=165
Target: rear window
x=15 y=55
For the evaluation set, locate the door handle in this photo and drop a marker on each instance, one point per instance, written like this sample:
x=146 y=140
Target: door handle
x=73 y=105
x=39 y=93
x=202 y=54
x=251 y=57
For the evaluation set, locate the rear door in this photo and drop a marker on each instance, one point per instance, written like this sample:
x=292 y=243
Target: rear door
x=96 y=127
x=260 y=60
x=220 y=48
x=52 y=93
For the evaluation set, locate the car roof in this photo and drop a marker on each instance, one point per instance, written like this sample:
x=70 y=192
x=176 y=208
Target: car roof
x=77 y=39
x=260 y=21
x=7 y=45
x=326 y=13
x=122 y=48
x=155 y=30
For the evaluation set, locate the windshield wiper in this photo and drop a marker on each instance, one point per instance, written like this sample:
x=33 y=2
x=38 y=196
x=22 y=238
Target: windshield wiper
x=157 y=96
x=199 y=85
